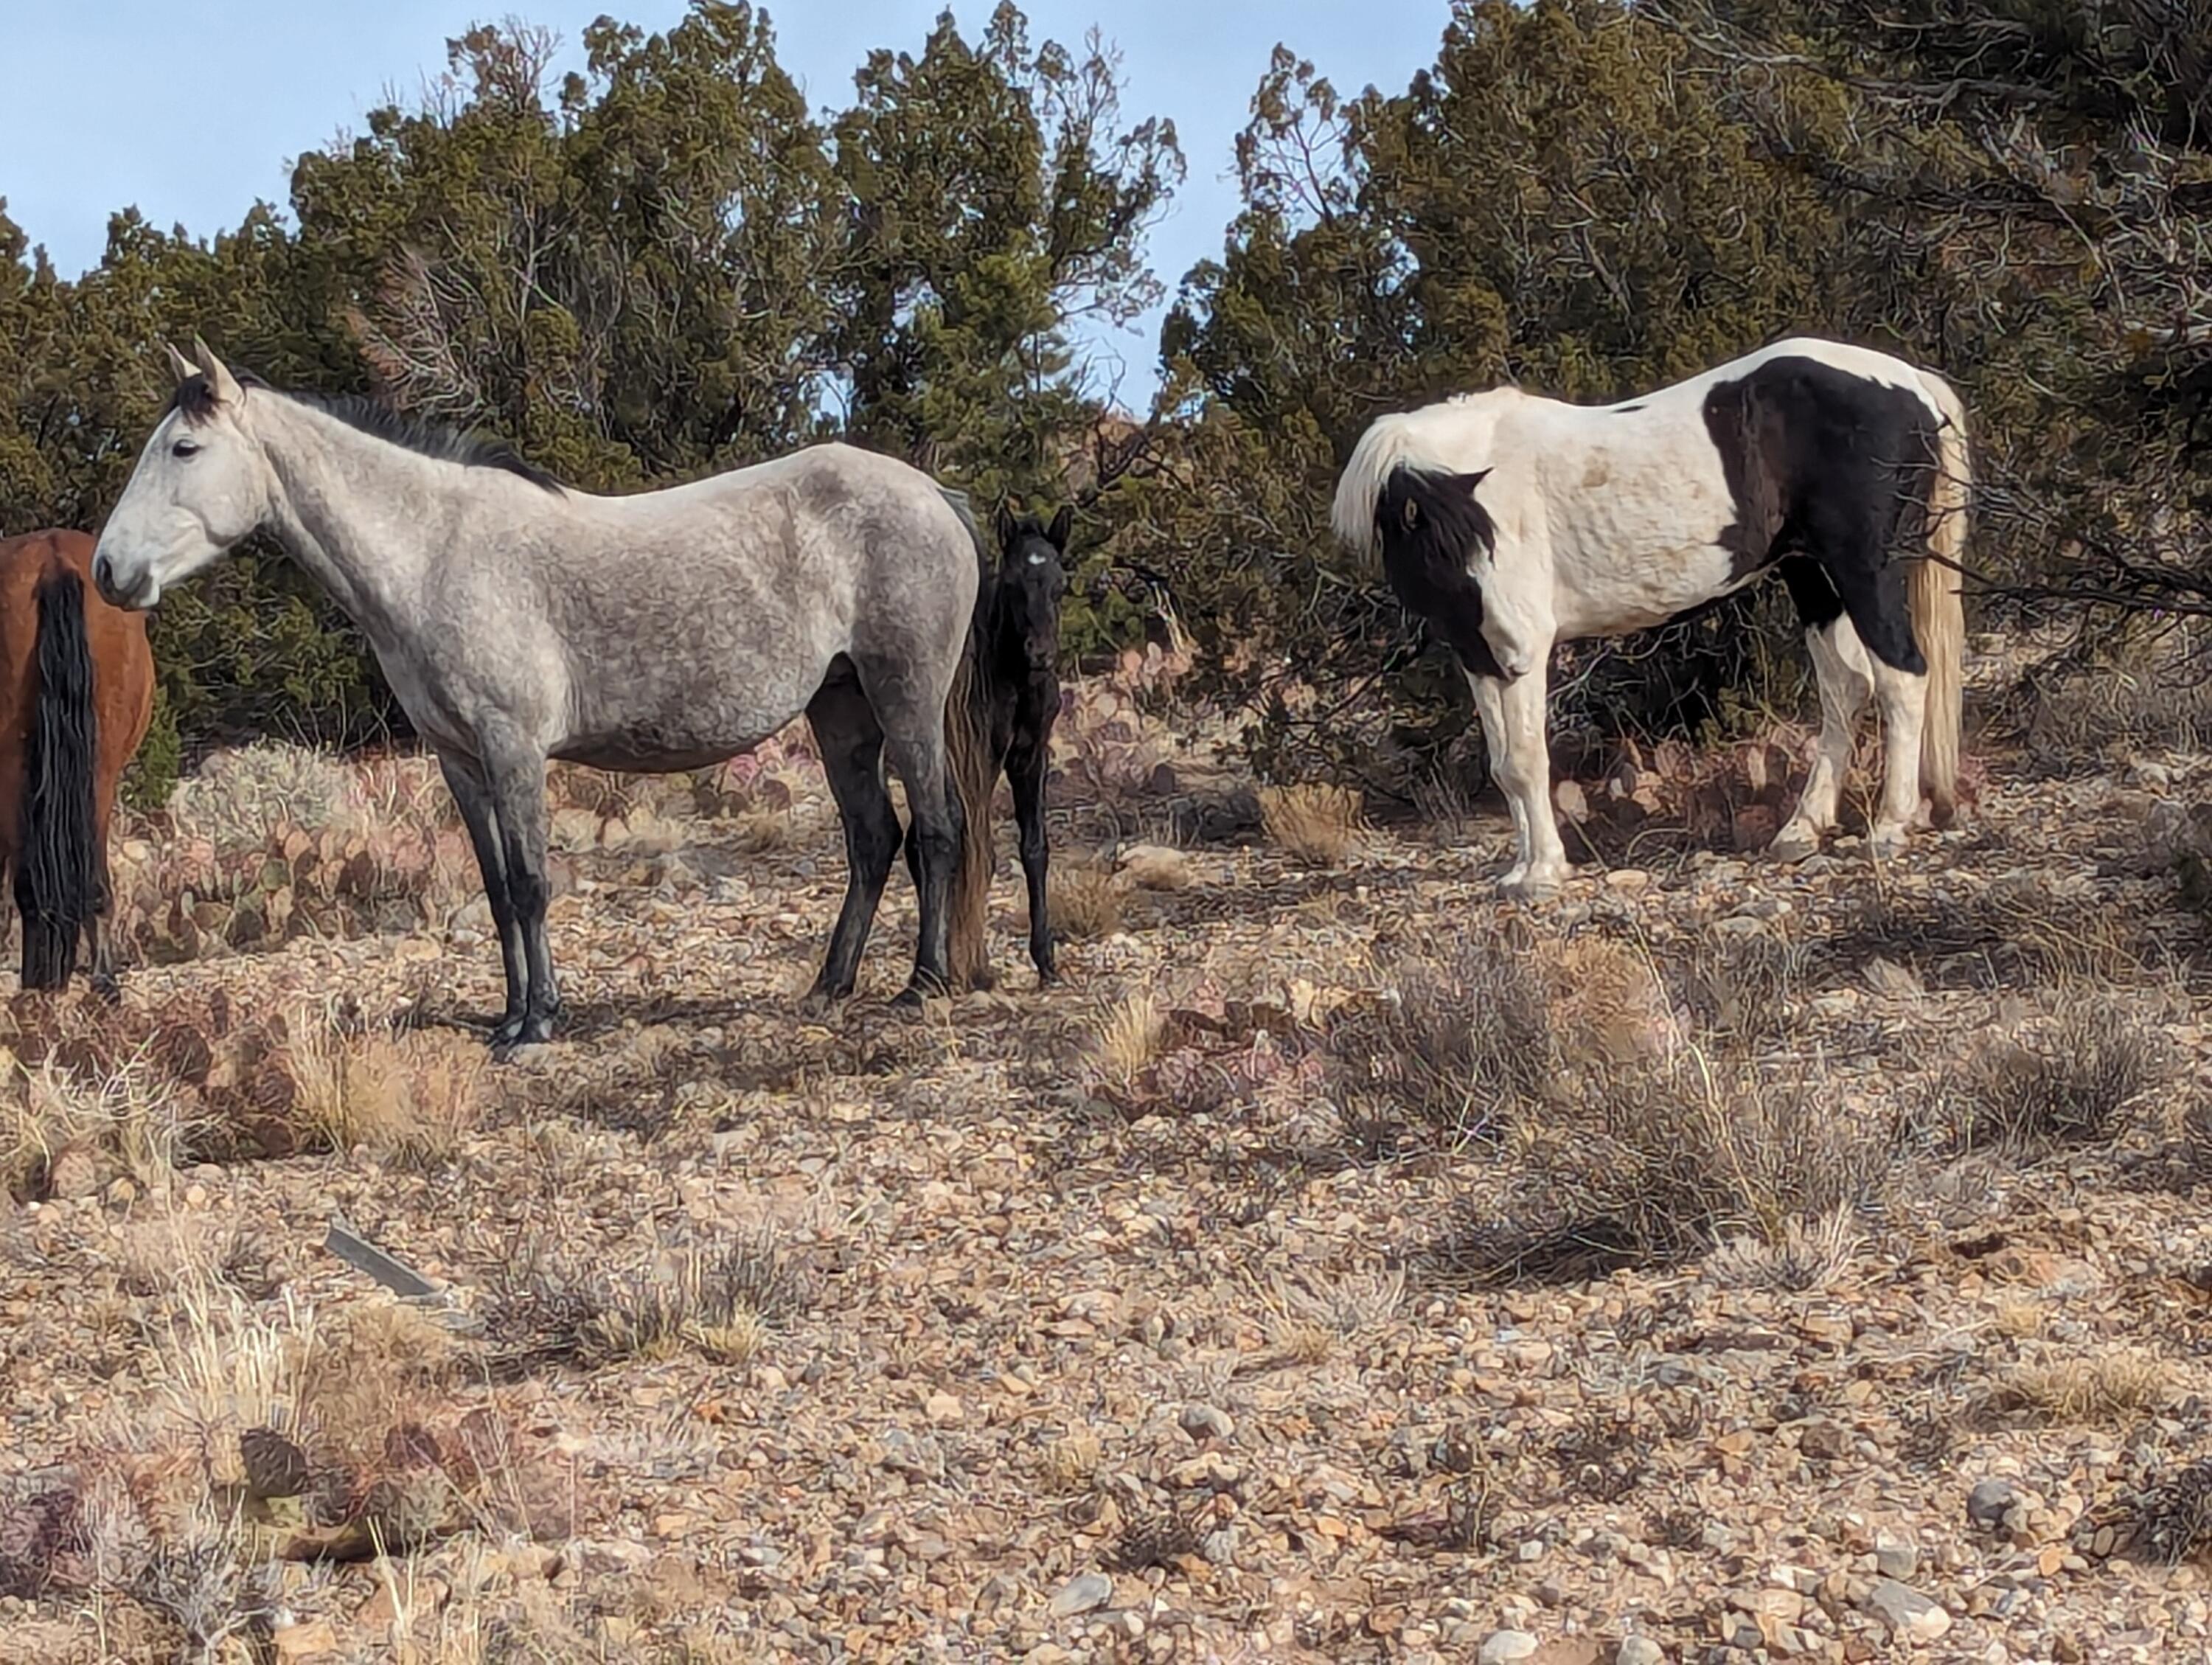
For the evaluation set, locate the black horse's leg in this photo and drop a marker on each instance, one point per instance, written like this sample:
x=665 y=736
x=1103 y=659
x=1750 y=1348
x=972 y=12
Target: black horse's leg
x=1025 y=770
x=851 y=742
x=474 y=799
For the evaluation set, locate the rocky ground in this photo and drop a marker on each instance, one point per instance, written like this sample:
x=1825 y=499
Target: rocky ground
x=1723 y=1261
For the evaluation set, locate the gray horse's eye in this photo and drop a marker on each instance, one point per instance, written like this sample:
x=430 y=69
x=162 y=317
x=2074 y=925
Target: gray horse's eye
x=185 y=448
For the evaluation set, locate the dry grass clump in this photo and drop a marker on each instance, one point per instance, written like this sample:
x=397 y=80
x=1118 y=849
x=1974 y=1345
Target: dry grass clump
x=1085 y=898
x=71 y=1131
x=1307 y=1317
x=1810 y=1253
x=409 y=1098
x=1070 y=1463
x=2150 y=693
x=1461 y=1040
x=1130 y=1031
x=1741 y=986
x=720 y=1301
x=2014 y=932
x=1656 y=1164
x=2107 y=1388
x=2077 y=1081
x=1312 y=821
x=1453 y=1041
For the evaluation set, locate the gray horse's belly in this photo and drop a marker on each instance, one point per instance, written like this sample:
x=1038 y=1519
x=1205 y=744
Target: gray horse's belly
x=641 y=755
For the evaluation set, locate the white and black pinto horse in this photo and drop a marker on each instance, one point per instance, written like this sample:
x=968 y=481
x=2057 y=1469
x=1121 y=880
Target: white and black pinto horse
x=1511 y=522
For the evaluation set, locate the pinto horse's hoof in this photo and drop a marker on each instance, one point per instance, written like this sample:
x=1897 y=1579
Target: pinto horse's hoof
x=1531 y=888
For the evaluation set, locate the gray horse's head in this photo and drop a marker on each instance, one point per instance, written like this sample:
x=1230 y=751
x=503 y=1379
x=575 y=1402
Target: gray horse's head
x=200 y=484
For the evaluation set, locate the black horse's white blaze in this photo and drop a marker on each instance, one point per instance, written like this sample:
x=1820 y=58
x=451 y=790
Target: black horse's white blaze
x=1512 y=522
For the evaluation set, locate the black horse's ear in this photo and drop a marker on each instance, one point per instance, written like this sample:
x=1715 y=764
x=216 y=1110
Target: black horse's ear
x=1002 y=524
x=1062 y=523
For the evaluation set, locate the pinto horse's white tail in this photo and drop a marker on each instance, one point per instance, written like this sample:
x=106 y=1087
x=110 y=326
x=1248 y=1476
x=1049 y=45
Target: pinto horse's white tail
x=1391 y=441
x=1939 y=612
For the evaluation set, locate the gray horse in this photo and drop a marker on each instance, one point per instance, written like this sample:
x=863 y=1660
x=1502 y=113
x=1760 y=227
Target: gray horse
x=517 y=621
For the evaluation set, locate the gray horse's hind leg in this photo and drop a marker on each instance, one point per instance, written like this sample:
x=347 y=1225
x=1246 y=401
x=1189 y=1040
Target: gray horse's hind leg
x=474 y=799
x=851 y=742
x=915 y=746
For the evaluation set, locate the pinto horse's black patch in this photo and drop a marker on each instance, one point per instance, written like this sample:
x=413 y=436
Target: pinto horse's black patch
x=1831 y=474
x=1431 y=527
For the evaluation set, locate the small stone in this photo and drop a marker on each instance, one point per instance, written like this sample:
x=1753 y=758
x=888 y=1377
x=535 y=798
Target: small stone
x=942 y=1408
x=1639 y=1650
x=1908 y=1614
x=73 y=1174
x=1085 y=1593
x=1895 y=1559
x=1208 y=1422
x=1989 y=1502
x=300 y=1641
x=1505 y=1647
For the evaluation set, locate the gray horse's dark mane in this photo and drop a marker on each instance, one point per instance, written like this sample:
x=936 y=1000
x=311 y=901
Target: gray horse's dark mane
x=195 y=397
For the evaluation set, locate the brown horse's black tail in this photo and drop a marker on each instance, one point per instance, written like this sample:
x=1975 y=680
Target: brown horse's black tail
x=57 y=884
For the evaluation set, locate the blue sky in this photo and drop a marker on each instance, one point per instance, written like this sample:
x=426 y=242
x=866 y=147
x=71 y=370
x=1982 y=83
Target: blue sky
x=188 y=112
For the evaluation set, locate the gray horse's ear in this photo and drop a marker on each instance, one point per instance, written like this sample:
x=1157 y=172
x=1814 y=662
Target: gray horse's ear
x=180 y=366
x=227 y=389
x=1062 y=523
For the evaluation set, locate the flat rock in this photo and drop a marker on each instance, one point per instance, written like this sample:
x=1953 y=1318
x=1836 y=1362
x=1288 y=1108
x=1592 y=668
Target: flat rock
x=1085 y=1593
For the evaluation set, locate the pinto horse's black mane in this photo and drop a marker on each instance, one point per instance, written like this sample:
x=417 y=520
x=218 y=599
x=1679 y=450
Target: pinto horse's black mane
x=195 y=397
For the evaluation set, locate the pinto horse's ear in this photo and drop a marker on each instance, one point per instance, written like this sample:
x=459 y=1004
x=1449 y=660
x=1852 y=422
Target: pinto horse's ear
x=227 y=389
x=180 y=366
x=1062 y=523
x=1469 y=481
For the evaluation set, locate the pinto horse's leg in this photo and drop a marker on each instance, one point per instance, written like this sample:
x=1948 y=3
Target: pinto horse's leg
x=474 y=801
x=1871 y=588
x=1846 y=683
x=1902 y=696
x=1025 y=771
x=1521 y=760
x=851 y=743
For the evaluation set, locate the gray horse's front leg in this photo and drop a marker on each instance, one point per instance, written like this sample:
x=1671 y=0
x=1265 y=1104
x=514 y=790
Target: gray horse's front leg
x=474 y=799
x=517 y=801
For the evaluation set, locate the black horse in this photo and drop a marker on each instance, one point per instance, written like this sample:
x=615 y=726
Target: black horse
x=1016 y=683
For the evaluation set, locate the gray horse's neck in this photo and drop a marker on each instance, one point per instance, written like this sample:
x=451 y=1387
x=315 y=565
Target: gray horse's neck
x=363 y=518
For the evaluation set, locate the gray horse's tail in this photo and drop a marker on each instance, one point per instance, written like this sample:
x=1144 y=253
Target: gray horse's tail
x=974 y=772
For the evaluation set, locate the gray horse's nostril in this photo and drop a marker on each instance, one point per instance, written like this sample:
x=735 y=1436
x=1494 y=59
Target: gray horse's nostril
x=103 y=574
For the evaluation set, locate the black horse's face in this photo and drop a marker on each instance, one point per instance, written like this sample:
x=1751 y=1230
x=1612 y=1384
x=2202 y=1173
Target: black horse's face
x=1034 y=557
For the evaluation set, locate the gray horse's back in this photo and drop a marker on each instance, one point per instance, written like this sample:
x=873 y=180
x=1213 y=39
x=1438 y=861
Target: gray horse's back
x=767 y=575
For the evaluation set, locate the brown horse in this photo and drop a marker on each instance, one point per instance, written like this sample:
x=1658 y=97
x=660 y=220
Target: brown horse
x=77 y=692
